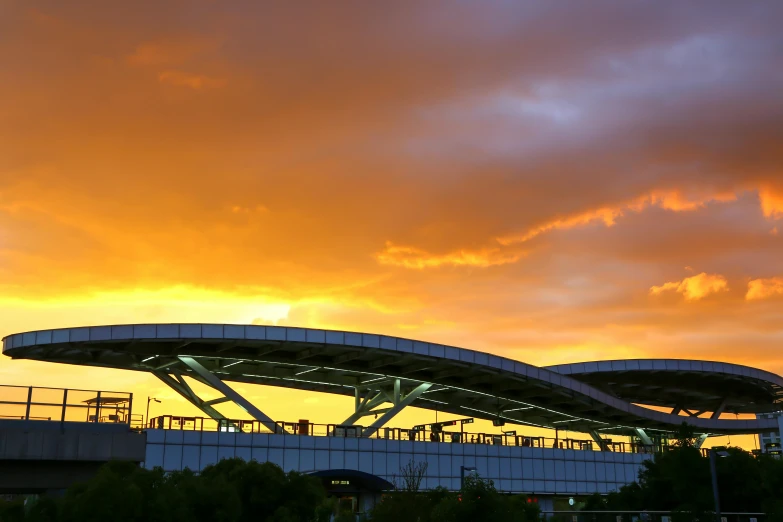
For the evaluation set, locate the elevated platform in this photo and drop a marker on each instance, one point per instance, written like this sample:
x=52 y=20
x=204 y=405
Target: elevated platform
x=698 y=386
x=380 y=370
x=55 y=441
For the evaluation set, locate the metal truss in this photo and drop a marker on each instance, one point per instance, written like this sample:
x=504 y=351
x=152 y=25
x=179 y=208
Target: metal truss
x=646 y=440
x=368 y=405
x=175 y=380
x=602 y=444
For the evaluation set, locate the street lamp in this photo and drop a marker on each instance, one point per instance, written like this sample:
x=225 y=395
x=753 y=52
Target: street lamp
x=462 y=470
x=714 y=454
x=147 y=417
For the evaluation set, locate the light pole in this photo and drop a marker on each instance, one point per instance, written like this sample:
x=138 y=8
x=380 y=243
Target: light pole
x=147 y=416
x=714 y=454
x=462 y=470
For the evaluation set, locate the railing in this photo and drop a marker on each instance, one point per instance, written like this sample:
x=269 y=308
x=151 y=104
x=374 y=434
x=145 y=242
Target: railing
x=170 y=422
x=67 y=405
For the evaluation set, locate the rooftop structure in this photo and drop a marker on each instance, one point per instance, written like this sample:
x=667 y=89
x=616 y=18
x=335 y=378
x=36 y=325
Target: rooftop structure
x=386 y=374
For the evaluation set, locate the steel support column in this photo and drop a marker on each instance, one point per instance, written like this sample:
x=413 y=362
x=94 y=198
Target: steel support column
x=366 y=407
x=369 y=404
x=646 y=440
x=397 y=408
x=719 y=410
x=602 y=444
x=178 y=384
x=229 y=393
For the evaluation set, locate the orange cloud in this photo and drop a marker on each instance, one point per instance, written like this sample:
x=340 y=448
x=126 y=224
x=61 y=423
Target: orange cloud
x=668 y=200
x=771 y=203
x=239 y=209
x=764 y=288
x=166 y=53
x=695 y=287
x=194 y=81
x=410 y=257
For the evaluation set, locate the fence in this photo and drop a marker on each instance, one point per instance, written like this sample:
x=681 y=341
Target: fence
x=303 y=427
x=67 y=405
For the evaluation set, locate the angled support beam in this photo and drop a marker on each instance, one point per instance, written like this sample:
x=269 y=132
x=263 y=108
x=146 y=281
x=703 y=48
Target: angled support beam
x=602 y=444
x=701 y=439
x=646 y=440
x=373 y=399
x=229 y=393
x=219 y=400
x=397 y=408
x=168 y=364
x=719 y=409
x=183 y=389
x=365 y=407
x=676 y=410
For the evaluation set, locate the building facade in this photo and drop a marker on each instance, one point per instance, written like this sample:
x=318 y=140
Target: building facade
x=770 y=441
x=545 y=473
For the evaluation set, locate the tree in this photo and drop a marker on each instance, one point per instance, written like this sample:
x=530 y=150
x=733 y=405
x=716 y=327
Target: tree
x=477 y=500
x=685 y=436
x=679 y=480
x=230 y=491
x=411 y=476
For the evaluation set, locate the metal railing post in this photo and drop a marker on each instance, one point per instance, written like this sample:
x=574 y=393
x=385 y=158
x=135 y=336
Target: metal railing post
x=65 y=405
x=29 y=402
x=98 y=407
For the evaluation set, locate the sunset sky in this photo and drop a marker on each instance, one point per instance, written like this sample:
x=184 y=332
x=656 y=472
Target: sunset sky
x=550 y=181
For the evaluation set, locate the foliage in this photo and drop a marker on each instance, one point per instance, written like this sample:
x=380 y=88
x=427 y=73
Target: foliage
x=477 y=500
x=679 y=480
x=230 y=491
x=411 y=476
x=11 y=511
x=685 y=436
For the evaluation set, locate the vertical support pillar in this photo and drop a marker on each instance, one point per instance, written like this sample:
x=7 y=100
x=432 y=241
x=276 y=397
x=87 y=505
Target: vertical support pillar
x=65 y=405
x=394 y=410
x=715 y=495
x=98 y=408
x=29 y=403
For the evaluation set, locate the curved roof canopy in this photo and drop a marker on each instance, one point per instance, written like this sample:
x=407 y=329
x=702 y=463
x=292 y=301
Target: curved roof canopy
x=464 y=382
x=700 y=386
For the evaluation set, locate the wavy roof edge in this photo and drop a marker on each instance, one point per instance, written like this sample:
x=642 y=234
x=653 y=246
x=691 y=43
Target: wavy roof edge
x=210 y=331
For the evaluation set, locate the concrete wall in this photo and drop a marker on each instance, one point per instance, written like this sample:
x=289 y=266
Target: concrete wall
x=77 y=441
x=38 y=456
x=545 y=471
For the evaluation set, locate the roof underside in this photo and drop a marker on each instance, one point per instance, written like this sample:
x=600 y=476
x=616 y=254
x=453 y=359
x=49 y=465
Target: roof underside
x=517 y=392
x=699 y=386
